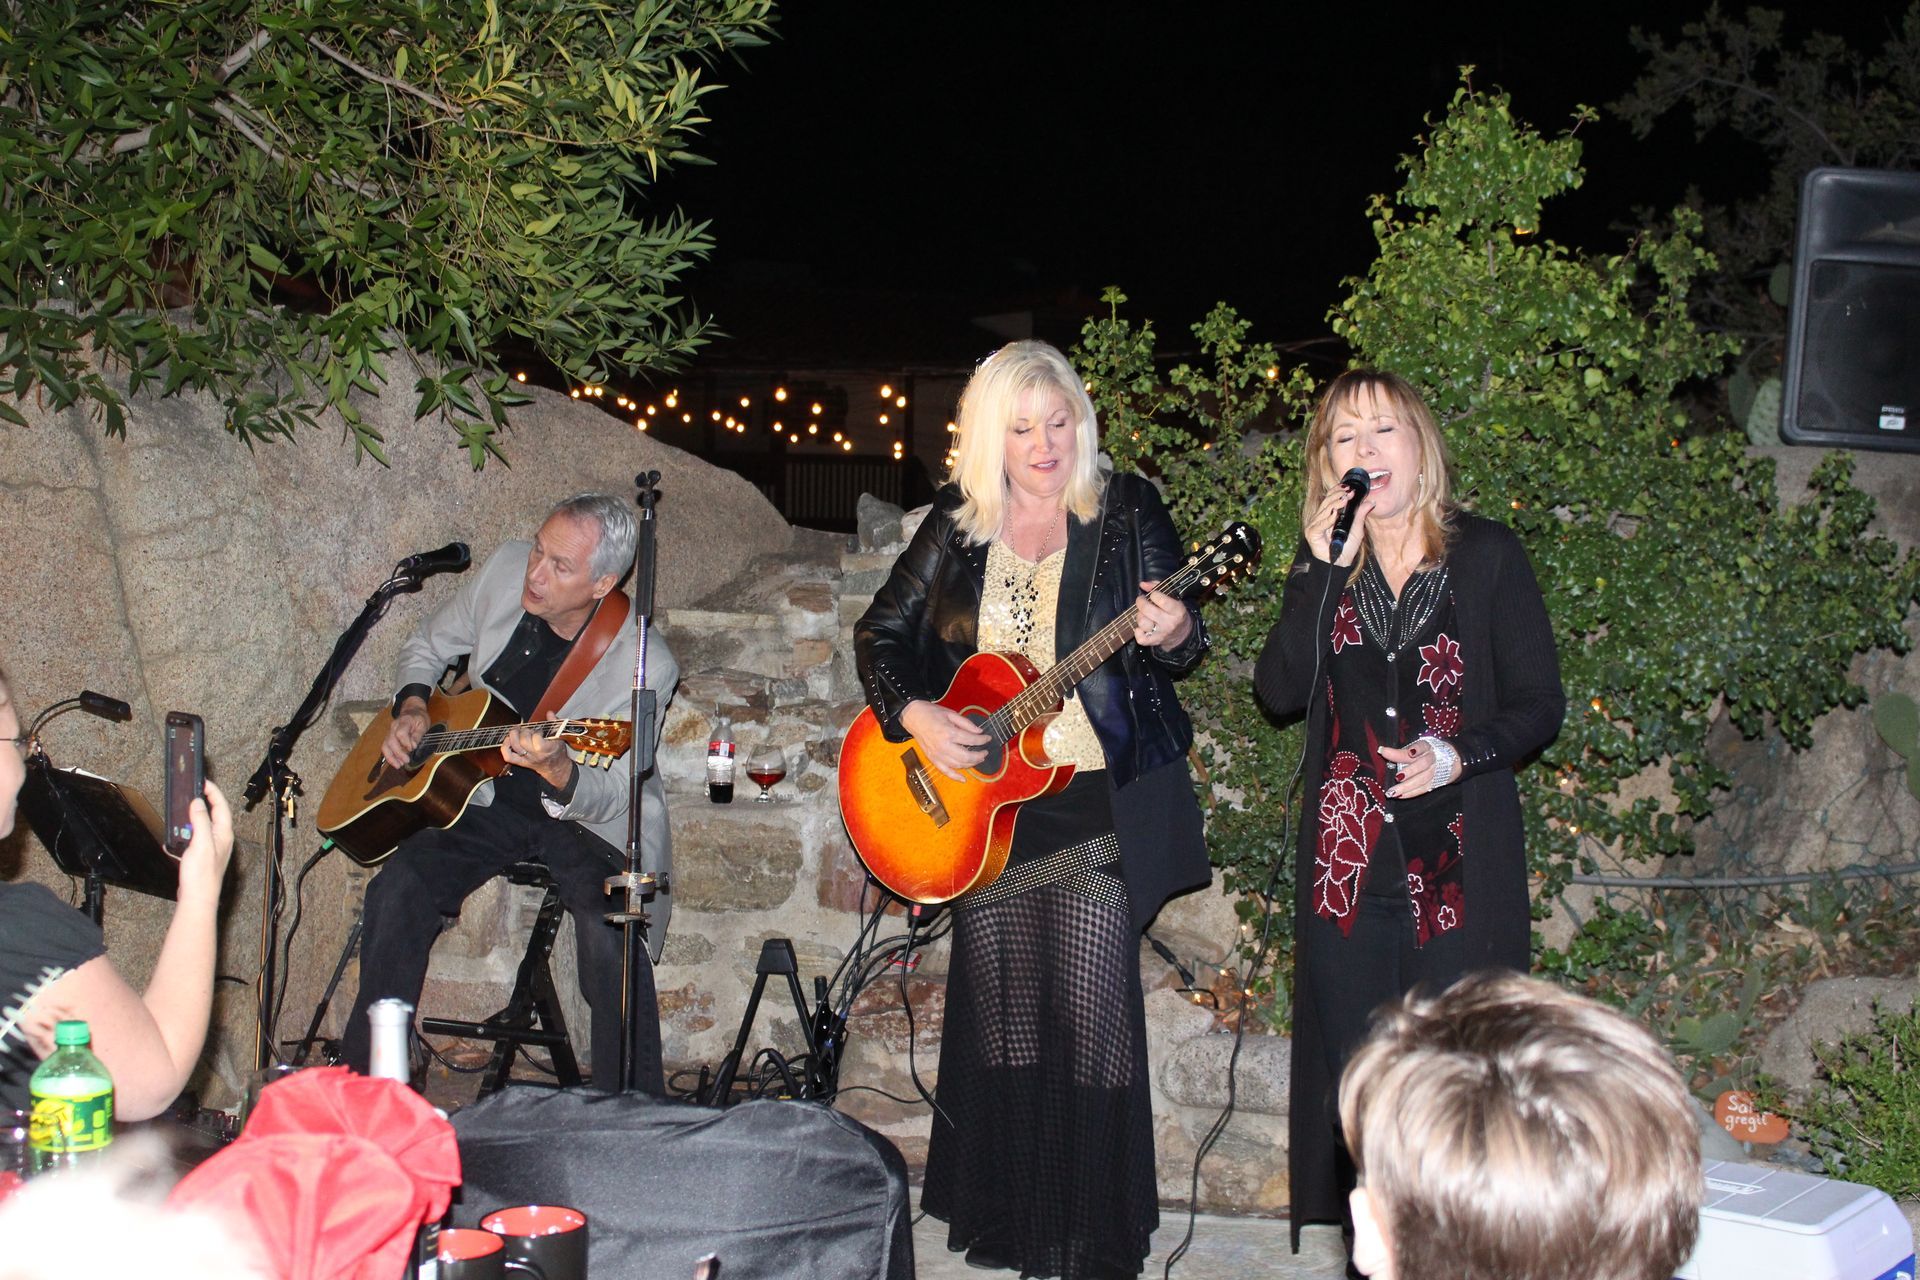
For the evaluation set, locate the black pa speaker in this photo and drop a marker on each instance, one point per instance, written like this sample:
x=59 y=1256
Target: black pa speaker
x=1853 y=337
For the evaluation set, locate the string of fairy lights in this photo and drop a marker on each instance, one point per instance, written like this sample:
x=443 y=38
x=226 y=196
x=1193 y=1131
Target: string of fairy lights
x=798 y=419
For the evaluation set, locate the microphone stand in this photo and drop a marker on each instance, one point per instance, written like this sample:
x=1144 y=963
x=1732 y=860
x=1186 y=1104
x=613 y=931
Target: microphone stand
x=634 y=883
x=275 y=777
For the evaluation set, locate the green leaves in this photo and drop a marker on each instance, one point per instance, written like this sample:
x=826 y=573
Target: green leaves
x=447 y=179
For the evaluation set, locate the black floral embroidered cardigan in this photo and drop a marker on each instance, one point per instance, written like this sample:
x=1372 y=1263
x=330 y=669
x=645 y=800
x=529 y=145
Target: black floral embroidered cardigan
x=1511 y=710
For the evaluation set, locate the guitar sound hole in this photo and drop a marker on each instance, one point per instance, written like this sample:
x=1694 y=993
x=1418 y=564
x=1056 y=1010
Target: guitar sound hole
x=996 y=750
x=420 y=753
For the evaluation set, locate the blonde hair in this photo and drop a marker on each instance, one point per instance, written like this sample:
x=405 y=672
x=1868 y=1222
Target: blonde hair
x=988 y=407
x=1433 y=508
x=1509 y=1128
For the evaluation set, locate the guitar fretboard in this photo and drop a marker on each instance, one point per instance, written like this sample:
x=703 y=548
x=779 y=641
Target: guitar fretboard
x=1056 y=681
x=474 y=739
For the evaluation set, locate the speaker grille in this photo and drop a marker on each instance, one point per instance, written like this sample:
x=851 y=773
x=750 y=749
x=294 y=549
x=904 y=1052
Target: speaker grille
x=1861 y=370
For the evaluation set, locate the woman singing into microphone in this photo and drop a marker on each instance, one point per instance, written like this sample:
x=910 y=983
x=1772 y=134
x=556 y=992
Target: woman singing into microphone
x=1423 y=658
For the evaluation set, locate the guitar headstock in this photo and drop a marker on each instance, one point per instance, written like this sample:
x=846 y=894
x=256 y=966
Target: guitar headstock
x=598 y=740
x=1230 y=555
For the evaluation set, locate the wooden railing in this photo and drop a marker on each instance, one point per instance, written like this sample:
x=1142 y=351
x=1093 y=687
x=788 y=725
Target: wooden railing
x=822 y=493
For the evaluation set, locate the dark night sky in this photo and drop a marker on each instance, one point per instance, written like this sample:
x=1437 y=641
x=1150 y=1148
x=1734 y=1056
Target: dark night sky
x=1190 y=151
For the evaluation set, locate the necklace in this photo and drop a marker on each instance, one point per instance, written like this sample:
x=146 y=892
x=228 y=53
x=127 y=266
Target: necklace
x=1024 y=597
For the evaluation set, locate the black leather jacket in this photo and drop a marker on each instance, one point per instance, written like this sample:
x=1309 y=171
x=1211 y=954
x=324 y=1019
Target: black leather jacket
x=921 y=624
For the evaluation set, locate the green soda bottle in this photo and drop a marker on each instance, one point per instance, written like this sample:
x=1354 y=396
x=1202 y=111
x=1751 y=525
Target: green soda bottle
x=72 y=1102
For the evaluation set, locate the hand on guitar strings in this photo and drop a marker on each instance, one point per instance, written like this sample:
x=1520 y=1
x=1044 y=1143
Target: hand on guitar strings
x=527 y=748
x=403 y=735
x=1162 y=622
x=949 y=740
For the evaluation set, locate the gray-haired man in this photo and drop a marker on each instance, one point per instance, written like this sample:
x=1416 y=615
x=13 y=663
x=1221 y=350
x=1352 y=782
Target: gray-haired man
x=515 y=620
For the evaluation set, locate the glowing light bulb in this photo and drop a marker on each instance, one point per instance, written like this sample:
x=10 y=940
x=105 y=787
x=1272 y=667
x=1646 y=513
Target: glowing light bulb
x=815 y=410
x=746 y=402
x=716 y=415
x=652 y=410
x=813 y=428
x=575 y=393
x=838 y=436
x=847 y=446
x=793 y=438
x=899 y=402
x=884 y=419
x=780 y=394
x=673 y=400
x=886 y=391
x=520 y=377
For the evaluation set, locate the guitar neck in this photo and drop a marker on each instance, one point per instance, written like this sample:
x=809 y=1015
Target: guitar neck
x=453 y=740
x=1058 y=680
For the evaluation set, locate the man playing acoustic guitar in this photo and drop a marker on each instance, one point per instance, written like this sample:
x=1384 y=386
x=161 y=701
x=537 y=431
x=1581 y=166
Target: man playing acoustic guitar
x=517 y=620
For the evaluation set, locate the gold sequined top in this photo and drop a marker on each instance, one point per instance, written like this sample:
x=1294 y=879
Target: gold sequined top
x=1017 y=616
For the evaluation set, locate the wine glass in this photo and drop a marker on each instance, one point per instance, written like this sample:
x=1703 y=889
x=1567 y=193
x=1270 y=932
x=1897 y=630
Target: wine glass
x=766 y=766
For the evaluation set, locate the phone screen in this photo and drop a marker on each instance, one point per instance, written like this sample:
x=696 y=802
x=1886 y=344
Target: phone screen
x=186 y=776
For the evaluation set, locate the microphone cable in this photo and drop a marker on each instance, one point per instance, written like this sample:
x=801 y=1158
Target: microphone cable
x=1243 y=982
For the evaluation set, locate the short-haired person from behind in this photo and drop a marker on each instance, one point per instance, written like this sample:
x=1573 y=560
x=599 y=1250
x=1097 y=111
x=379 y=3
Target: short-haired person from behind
x=1507 y=1129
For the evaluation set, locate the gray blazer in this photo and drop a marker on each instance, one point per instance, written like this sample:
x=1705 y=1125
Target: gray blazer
x=478 y=620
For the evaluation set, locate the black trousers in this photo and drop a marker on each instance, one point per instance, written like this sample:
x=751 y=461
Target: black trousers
x=431 y=874
x=1352 y=977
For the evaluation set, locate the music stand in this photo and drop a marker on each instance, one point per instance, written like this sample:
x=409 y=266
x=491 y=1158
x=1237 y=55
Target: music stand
x=97 y=830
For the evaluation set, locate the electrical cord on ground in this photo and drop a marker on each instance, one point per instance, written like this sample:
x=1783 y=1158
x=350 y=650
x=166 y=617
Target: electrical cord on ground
x=443 y=1059
x=906 y=1003
x=1244 y=982
x=293 y=928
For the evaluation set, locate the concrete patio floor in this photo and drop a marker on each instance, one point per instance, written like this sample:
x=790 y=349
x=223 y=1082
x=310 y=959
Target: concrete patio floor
x=1222 y=1249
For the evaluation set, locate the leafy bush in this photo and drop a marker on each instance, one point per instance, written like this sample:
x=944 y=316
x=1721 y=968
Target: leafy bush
x=1865 y=1124
x=1679 y=588
x=462 y=175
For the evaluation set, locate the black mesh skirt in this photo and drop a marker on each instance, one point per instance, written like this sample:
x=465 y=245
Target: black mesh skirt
x=1042 y=1149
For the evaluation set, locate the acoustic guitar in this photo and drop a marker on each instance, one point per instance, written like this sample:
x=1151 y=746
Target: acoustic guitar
x=370 y=806
x=927 y=838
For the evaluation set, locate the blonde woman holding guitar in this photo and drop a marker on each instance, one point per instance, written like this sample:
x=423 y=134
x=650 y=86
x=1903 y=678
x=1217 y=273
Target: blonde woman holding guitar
x=1042 y=1151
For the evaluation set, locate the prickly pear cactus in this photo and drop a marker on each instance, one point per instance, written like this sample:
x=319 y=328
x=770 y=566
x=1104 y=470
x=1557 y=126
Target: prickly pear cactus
x=1898 y=719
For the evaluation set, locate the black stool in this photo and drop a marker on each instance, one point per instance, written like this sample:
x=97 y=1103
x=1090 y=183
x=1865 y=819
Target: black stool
x=532 y=1015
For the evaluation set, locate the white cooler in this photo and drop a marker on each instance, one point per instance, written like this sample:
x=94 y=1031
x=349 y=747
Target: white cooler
x=1759 y=1222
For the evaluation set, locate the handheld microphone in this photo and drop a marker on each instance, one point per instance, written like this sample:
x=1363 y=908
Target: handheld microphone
x=451 y=558
x=1356 y=482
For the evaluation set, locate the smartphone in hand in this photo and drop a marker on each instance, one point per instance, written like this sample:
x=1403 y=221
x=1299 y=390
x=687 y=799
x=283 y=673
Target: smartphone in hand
x=186 y=776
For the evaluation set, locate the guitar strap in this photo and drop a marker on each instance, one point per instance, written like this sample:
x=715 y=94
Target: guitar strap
x=608 y=616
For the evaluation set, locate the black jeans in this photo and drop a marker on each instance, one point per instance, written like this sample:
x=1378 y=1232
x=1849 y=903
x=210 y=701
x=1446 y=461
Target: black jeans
x=431 y=874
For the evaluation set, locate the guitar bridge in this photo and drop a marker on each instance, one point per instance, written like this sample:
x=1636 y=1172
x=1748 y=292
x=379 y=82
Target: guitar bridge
x=920 y=784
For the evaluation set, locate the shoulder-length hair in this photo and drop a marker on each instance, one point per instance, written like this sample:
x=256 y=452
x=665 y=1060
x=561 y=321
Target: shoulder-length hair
x=1433 y=508
x=993 y=399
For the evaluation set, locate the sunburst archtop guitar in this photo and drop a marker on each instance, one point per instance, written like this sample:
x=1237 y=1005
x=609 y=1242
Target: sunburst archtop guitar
x=370 y=806
x=927 y=838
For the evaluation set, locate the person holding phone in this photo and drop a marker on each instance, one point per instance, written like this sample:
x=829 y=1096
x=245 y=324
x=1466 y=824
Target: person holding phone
x=53 y=963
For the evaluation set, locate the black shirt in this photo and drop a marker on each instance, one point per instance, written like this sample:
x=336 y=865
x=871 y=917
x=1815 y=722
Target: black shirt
x=519 y=676
x=41 y=938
